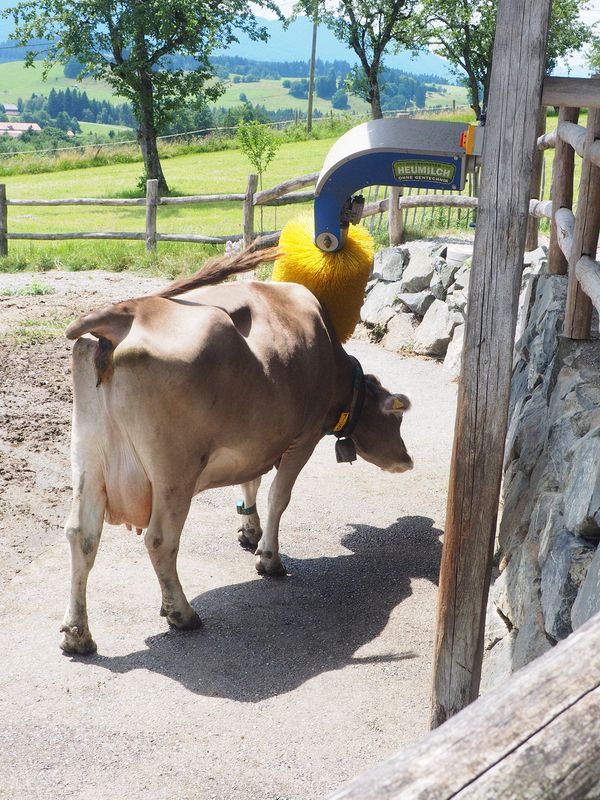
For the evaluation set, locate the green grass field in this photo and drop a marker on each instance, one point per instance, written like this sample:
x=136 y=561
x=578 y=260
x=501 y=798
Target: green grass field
x=18 y=81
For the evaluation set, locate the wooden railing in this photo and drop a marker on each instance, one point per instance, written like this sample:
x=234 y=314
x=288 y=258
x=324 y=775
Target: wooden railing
x=574 y=239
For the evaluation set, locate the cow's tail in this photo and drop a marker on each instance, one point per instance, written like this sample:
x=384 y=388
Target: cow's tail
x=217 y=270
x=111 y=323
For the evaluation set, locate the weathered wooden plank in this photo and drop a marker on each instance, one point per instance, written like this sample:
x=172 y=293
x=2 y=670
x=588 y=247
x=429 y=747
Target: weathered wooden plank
x=513 y=719
x=429 y=200
x=195 y=199
x=572 y=134
x=197 y=237
x=61 y=236
x=286 y=187
x=564 y=221
x=571 y=92
x=82 y=201
x=151 y=202
x=3 y=221
x=563 y=168
x=248 y=210
x=480 y=431
x=547 y=141
x=533 y=224
x=396 y=217
x=578 y=315
x=288 y=199
x=587 y=271
x=540 y=209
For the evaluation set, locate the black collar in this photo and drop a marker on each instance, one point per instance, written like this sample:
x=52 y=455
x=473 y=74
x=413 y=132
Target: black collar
x=346 y=423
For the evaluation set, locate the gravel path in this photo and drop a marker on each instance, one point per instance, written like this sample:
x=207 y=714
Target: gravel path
x=293 y=686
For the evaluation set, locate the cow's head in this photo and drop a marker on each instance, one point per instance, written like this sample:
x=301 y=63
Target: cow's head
x=377 y=432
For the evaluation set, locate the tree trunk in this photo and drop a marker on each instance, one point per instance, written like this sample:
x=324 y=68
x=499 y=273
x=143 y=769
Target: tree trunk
x=146 y=136
x=375 y=96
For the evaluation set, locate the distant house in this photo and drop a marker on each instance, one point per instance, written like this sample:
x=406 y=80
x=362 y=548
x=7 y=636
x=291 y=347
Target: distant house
x=15 y=129
x=10 y=110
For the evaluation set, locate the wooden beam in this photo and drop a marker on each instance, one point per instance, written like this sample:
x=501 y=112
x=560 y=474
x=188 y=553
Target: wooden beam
x=3 y=221
x=563 y=169
x=533 y=224
x=573 y=135
x=396 y=217
x=564 y=224
x=578 y=315
x=572 y=92
x=484 y=388
x=535 y=736
x=248 y=209
x=587 y=271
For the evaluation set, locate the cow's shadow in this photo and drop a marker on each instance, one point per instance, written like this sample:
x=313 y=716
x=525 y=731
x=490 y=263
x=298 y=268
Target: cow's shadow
x=267 y=637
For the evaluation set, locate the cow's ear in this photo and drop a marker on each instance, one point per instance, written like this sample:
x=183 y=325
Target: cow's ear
x=395 y=404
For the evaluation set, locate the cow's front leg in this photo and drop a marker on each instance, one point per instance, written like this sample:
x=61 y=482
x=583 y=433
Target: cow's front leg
x=162 y=541
x=83 y=529
x=267 y=552
x=249 y=532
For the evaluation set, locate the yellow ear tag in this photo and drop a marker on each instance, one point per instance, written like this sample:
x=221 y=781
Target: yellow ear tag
x=341 y=421
x=397 y=404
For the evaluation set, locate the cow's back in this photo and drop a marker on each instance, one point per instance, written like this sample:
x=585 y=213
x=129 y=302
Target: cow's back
x=209 y=388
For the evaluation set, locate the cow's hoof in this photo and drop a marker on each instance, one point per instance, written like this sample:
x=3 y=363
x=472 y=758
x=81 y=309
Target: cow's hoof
x=190 y=622
x=270 y=566
x=249 y=537
x=76 y=643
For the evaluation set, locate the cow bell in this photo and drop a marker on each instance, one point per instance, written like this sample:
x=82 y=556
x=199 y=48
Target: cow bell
x=345 y=451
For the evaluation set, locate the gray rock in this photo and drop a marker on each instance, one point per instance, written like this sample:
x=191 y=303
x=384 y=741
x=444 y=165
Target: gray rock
x=436 y=287
x=535 y=257
x=389 y=263
x=400 y=336
x=457 y=301
x=419 y=271
x=453 y=359
x=381 y=296
x=434 y=333
x=562 y=575
x=518 y=586
x=462 y=277
x=447 y=274
x=587 y=602
x=457 y=254
x=417 y=303
x=582 y=497
x=531 y=640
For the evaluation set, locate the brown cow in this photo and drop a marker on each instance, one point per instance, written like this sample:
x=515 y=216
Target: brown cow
x=201 y=386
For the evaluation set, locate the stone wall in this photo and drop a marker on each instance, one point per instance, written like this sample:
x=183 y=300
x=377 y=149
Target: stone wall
x=547 y=575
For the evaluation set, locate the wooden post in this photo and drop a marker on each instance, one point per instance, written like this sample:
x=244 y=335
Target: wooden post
x=395 y=216
x=3 y=221
x=563 y=169
x=533 y=225
x=578 y=316
x=151 y=205
x=480 y=431
x=249 y=209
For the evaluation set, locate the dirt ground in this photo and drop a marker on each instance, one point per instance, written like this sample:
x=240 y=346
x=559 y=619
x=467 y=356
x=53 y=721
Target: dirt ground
x=293 y=686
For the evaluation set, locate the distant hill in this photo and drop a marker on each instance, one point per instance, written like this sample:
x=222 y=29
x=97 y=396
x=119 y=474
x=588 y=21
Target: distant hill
x=294 y=44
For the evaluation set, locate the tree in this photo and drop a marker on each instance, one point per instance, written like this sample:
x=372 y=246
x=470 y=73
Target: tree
x=128 y=44
x=593 y=56
x=462 y=31
x=339 y=101
x=260 y=145
x=368 y=27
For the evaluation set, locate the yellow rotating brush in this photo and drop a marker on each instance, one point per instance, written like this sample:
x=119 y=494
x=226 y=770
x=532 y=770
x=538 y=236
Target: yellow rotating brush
x=338 y=279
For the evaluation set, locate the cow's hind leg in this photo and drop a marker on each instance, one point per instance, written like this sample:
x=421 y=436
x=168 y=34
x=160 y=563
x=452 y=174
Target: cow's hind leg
x=267 y=552
x=83 y=529
x=162 y=540
x=249 y=532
